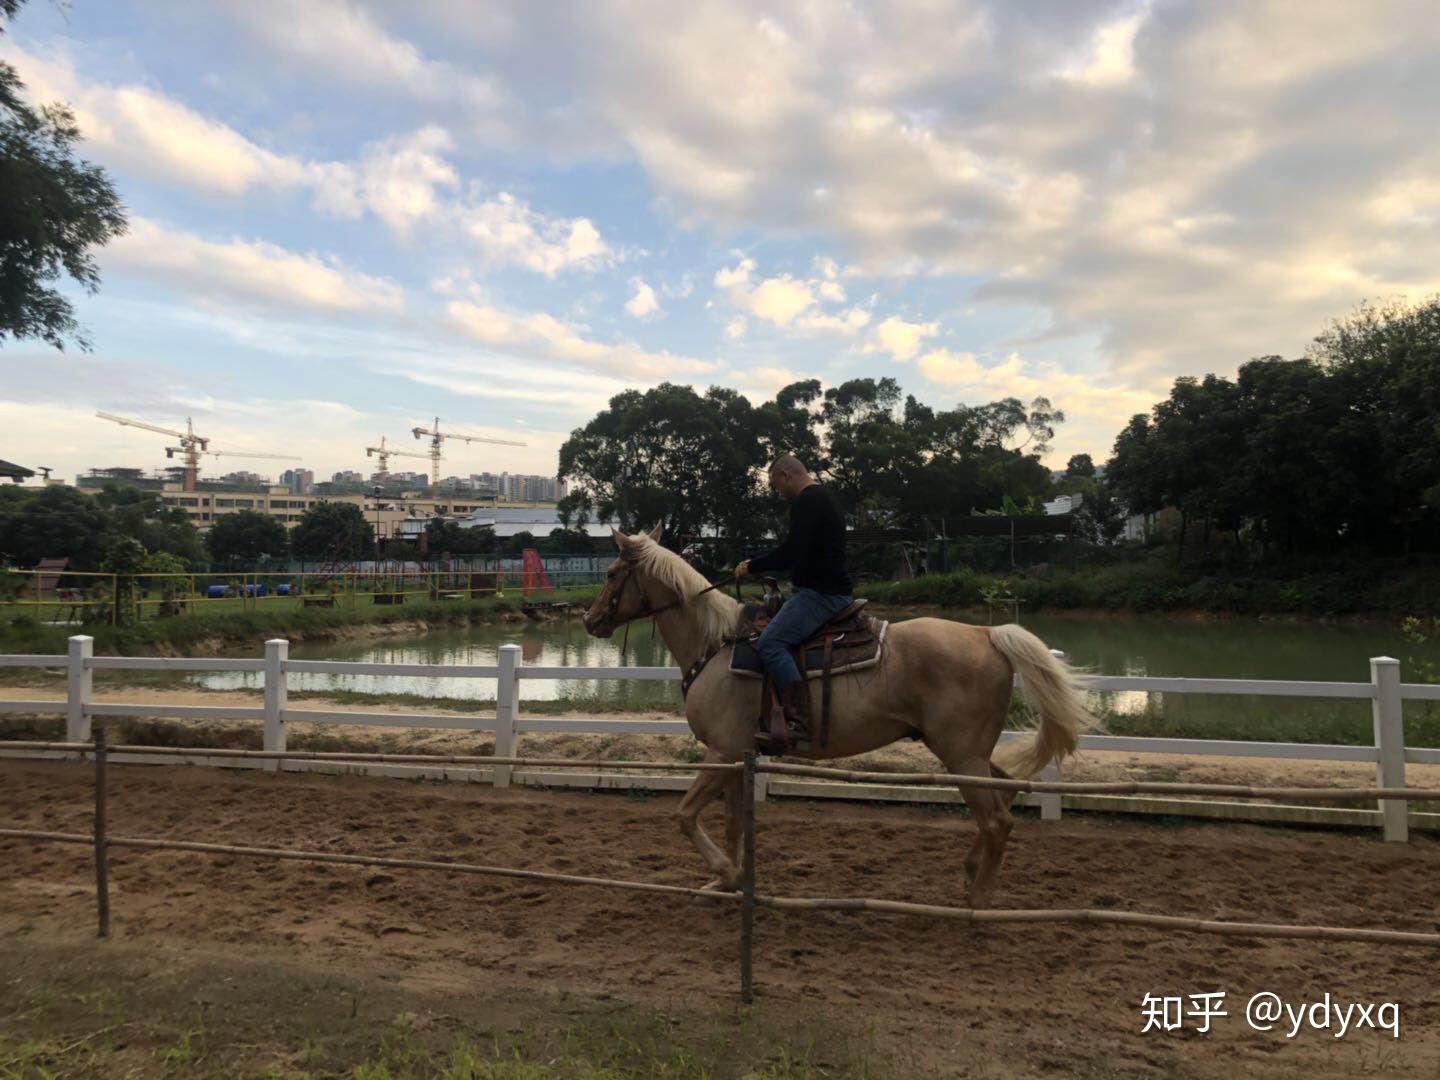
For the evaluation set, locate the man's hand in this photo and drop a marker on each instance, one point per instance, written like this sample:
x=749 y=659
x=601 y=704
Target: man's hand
x=743 y=570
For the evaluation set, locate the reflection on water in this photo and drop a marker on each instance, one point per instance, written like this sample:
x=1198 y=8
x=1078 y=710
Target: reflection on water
x=1117 y=645
x=551 y=644
x=1235 y=649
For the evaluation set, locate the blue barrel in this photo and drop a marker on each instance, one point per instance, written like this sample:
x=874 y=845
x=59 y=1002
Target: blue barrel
x=282 y=590
x=254 y=590
x=217 y=591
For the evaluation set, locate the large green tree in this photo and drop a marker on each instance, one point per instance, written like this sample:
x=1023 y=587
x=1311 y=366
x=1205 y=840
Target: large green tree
x=246 y=536
x=670 y=456
x=55 y=210
x=333 y=532
x=52 y=522
x=143 y=516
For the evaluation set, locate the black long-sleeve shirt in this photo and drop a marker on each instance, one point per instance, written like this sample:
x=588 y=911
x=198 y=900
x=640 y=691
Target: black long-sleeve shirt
x=814 y=547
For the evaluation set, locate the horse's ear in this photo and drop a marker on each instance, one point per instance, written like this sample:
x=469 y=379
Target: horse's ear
x=656 y=531
x=620 y=538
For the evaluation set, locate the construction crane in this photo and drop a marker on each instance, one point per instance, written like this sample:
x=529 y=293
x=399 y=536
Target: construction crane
x=437 y=437
x=385 y=453
x=191 y=446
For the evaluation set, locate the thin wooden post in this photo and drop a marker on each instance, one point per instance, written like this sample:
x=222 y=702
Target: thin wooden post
x=762 y=783
x=102 y=863
x=1390 y=745
x=277 y=651
x=80 y=681
x=1050 y=804
x=507 y=710
x=747 y=879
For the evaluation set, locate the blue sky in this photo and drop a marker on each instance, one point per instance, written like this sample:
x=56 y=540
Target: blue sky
x=350 y=217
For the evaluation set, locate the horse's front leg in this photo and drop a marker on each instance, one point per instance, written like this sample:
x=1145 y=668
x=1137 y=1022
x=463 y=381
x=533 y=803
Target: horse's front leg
x=708 y=787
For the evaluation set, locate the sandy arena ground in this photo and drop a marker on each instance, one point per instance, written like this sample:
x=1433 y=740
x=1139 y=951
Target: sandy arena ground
x=1007 y=1001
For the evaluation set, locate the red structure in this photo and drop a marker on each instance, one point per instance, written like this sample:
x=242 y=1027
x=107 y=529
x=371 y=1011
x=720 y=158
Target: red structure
x=533 y=574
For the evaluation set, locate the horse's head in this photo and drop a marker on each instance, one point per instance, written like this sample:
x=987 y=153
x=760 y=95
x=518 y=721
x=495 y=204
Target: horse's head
x=630 y=592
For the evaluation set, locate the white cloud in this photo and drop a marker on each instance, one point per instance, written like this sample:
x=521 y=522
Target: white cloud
x=735 y=329
x=507 y=231
x=643 y=303
x=1111 y=59
x=397 y=178
x=546 y=337
x=786 y=301
x=249 y=271
x=901 y=339
x=156 y=135
x=340 y=41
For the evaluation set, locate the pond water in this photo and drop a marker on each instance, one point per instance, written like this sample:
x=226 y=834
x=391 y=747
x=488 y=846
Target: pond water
x=1106 y=645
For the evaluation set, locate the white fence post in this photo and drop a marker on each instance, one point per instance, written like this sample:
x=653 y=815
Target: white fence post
x=507 y=710
x=762 y=779
x=1390 y=744
x=1050 y=802
x=80 y=681
x=277 y=651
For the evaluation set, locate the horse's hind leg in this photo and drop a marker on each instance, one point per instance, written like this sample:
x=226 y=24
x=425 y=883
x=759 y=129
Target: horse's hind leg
x=708 y=787
x=991 y=810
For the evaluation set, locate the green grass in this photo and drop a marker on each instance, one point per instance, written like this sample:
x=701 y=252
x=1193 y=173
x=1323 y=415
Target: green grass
x=179 y=633
x=134 y=1009
x=1152 y=582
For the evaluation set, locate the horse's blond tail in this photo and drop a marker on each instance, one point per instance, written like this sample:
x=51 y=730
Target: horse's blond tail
x=1052 y=689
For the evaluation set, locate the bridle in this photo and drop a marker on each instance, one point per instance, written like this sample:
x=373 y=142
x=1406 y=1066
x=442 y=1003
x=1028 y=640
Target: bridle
x=612 y=607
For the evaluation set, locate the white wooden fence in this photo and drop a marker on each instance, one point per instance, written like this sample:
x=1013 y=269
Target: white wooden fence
x=1384 y=691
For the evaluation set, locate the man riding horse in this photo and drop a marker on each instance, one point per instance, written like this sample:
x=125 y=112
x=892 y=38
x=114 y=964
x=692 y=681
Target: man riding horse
x=814 y=552
x=943 y=682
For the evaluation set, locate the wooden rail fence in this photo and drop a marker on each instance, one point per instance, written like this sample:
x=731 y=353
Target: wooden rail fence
x=747 y=896
x=1385 y=691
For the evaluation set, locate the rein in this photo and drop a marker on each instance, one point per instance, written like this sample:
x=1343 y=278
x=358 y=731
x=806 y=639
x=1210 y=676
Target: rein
x=648 y=612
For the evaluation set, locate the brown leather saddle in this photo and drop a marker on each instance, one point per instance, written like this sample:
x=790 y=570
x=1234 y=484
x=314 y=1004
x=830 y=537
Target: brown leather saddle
x=850 y=641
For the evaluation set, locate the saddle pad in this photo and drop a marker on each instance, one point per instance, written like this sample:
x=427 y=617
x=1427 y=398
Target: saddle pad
x=852 y=652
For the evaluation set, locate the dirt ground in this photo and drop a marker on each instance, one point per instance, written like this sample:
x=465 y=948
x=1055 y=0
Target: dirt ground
x=932 y=997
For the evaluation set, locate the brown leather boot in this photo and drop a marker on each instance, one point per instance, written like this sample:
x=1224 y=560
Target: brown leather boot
x=796 y=699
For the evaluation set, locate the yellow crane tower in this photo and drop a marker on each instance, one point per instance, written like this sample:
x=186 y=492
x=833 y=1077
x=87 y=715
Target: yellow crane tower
x=191 y=446
x=437 y=437
x=385 y=453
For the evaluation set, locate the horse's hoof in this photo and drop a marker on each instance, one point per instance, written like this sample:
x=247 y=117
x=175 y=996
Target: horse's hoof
x=714 y=886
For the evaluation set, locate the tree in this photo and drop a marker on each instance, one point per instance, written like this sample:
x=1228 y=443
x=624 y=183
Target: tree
x=56 y=208
x=1386 y=361
x=443 y=534
x=1080 y=467
x=246 y=536
x=667 y=455
x=333 y=532
x=51 y=522
x=144 y=516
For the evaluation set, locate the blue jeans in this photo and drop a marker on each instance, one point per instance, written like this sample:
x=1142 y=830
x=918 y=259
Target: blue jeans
x=803 y=614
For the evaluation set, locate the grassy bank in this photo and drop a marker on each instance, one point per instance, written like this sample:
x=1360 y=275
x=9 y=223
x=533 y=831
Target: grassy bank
x=135 y=1009
x=1158 y=585
x=189 y=633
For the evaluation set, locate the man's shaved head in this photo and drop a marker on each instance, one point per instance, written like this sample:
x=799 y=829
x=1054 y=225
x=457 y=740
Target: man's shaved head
x=788 y=476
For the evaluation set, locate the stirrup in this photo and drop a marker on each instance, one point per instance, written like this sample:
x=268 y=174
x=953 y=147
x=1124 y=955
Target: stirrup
x=777 y=740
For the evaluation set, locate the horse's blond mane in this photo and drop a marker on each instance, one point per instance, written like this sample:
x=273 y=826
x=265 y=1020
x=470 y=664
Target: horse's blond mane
x=715 y=611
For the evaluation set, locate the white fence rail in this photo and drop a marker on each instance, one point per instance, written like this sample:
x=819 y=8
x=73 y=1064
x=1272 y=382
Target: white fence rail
x=1385 y=691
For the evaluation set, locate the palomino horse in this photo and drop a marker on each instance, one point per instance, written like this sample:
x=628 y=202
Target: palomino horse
x=944 y=682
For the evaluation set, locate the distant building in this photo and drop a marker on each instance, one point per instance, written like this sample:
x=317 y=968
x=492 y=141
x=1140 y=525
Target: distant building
x=347 y=476
x=298 y=481
x=244 y=476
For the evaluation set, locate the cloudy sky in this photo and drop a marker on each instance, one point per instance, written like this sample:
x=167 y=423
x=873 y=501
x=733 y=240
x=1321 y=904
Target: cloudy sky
x=347 y=221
